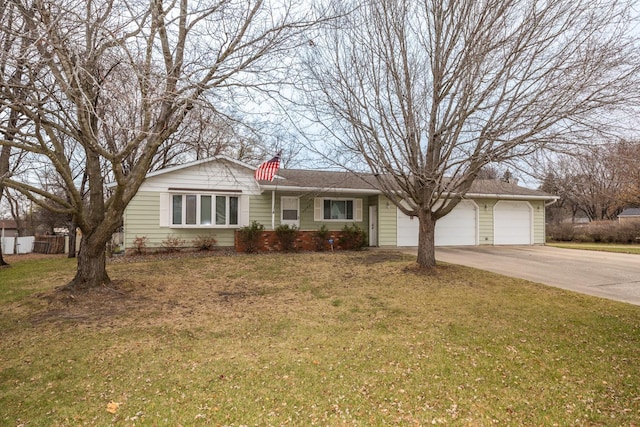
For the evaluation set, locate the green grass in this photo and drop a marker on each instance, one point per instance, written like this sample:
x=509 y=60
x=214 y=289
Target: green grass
x=24 y=278
x=311 y=339
x=603 y=247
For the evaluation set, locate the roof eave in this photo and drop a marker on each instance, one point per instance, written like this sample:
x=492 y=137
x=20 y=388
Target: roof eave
x=321 y=190
x=510 y=196
x=190 y=164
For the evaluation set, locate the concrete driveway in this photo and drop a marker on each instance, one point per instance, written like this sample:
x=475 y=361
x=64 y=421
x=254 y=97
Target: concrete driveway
x=602 y=274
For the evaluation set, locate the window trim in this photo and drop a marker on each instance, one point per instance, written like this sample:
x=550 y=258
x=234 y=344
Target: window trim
x=319 y=209
x=213 y=219
x=290 y=221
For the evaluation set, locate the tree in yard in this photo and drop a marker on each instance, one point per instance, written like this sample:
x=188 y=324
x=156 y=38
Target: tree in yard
x=11 y=78
x=109 y=81
x=424 y=94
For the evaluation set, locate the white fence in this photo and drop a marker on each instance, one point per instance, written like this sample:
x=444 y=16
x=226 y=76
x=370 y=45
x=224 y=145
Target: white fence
x=17 y=245
x=45 y=244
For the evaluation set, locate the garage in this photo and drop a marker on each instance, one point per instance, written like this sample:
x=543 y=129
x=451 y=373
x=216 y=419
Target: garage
x=458 y=228
x=512 y=223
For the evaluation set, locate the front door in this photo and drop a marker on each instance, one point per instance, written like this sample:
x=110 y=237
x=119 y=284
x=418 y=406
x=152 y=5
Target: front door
x=373 y=225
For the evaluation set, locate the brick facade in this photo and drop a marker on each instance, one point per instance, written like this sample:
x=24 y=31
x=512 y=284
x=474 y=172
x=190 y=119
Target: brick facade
x=305 y=241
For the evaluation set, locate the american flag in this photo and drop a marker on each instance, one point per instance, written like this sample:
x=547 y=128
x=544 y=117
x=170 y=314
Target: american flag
x=268 y=169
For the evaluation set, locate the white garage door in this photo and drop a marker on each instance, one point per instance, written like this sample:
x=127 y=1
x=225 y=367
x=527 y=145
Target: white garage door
x=512 y=223
x=458 y=228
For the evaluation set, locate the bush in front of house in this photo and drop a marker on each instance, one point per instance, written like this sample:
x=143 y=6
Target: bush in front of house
x=140 y=244
x=250 y=237
x=353 y=237
x=287 y=235
x=321 y=238
x=172 y=244
x=204 y=242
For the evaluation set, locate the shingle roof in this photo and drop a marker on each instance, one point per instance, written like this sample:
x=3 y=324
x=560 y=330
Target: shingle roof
x=630 y=212
x=298 y=178
x=324 y=179
x=498 y=187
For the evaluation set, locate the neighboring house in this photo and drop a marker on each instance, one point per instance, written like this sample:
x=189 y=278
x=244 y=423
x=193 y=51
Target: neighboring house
x=220 y=195
x=8 y=228
x=629 y=215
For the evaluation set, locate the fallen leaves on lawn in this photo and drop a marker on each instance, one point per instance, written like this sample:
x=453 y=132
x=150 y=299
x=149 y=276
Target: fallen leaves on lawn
x=112 y=407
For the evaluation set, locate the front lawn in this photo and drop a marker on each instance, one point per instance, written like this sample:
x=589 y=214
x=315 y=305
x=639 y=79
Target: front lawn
x=310 y=339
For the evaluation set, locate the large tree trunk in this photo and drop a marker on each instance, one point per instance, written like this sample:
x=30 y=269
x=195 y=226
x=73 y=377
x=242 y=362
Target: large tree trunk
x=72 y=240
x=92 y=261
x=2 y=261
x=426 y=240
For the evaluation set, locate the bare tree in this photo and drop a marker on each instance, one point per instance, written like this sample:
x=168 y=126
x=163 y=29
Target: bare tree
x=598 y=181
x=111 y=80
x=425 y=93
x=627 y=159
x=11 y=76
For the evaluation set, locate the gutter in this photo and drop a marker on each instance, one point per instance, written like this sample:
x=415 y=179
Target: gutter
x=374 y=191
x=510 y=197
x=321 y=190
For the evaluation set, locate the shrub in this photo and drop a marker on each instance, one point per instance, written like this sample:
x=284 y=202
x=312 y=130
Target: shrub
x=561 y=232
x=321 y=238
x=628 y=233
x=597 y=231
x=172 y=244
x=249 y=236
x=601 y=232
x=140 y=243
x=287 y=235
x=204 y=242
x=353 y=237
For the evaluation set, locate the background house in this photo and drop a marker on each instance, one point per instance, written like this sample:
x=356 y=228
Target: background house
x=9 y=227
x=629 y=215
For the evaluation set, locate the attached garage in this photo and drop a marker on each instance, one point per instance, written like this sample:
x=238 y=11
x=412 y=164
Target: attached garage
x=512 y=223
x=458 y=228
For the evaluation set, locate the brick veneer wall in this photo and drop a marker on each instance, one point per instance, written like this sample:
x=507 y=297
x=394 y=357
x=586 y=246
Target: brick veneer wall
x=305 y=241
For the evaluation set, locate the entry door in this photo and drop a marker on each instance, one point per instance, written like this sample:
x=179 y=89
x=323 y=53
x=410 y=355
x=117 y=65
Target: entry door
x=373 y=225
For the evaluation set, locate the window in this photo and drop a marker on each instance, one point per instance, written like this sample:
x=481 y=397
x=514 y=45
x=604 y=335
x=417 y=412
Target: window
x=338 y=209
x=205 y=210
x=289 y=208
x=202 y=210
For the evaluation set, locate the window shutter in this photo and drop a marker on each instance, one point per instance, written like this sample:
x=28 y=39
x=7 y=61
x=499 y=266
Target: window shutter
x=317 y=209
x=165 y=205
x=358 y=209
x=244 y=211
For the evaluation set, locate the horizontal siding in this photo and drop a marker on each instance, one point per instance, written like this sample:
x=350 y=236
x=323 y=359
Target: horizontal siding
x=142 y=219
x=307 y=213
x=260 y=209
x=538 y=222
x=215 y=175
x=485 y=220
x=387 y=222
